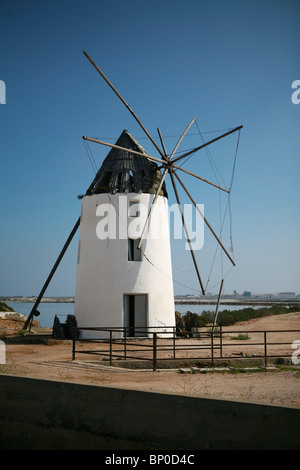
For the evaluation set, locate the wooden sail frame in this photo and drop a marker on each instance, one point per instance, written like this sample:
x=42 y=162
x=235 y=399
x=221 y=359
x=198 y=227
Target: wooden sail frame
x=170 y=168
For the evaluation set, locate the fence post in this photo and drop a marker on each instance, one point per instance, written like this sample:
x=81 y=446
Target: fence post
x=125 y=336
x=221 y=344
x=110 y=347
x=73 y=343
x=212 y=348
x=174 y=349
x=154 y=351
x=265 y=344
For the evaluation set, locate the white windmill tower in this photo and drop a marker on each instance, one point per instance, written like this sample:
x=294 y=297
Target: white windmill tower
x=119 y=285
x=125 y=279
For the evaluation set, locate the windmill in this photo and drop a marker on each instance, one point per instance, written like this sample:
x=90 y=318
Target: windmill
x=168 y=164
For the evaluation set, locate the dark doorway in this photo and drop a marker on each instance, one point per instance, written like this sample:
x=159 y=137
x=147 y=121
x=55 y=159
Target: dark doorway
x=135 y=314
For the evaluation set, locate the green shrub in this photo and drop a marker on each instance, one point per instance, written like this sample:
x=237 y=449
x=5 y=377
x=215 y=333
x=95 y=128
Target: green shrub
x=21 y=333
x=241 y=337
x=5 y=308
x=230 y=317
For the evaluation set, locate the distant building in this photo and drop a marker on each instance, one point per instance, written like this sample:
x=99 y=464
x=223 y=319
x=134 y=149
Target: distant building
x=286 y=295
x=264 y=296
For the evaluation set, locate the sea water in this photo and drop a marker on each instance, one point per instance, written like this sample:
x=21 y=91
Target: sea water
x=48 y=310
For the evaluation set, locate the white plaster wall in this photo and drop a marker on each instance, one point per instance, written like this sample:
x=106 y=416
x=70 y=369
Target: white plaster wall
x=104 y=273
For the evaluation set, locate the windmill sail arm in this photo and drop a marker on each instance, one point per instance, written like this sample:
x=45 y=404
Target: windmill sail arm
x=200 y=178
x=124 y=102
x=162 y=143
x=186 y=232
x=152 y=205
x=205 y=220
x=145 y=155
x=176 y=146
x=207 y=143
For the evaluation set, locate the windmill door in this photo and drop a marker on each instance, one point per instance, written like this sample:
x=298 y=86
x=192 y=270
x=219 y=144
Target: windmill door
x=135 y=314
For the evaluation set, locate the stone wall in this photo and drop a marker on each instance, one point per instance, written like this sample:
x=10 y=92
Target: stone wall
x=50 y=415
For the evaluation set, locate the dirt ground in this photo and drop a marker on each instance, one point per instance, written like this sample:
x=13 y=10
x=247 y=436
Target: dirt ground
x=275 y=385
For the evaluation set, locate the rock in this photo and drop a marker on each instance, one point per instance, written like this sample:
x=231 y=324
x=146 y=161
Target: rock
x=64 y=330
x=12 y=316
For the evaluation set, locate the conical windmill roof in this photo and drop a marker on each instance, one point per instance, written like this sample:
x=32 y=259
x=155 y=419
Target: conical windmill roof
x=124 y=172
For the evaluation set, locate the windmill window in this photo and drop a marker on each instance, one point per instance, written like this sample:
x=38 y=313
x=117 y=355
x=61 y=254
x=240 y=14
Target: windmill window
x=134 y=254
x=131 y=181
x=133 y=209
x=103 y=185
x=119 y=182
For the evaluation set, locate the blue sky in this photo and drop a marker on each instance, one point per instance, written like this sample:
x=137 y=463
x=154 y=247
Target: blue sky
x=224 y=63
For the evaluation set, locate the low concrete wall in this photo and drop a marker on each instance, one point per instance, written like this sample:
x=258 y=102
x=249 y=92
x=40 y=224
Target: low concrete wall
x=49 y=415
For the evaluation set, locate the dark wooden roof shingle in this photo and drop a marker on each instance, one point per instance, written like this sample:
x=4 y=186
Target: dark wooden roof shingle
x=126 y=172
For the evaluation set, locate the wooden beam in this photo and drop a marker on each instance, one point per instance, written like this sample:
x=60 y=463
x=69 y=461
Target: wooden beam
x=34 y=308
x=124 y=102
x=145 y=155
x=186 y=232
x=162 y=143
x=152 y=205
x=207 y=143
x=205 y=220
x=217 y=307
x=176 y=146
x=199 y=177
x=56 y=264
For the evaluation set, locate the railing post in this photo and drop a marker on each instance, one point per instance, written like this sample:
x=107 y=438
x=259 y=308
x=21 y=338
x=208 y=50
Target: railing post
x=174 y=348
x=154 y=351
x=110 y=347
x=265 y=345
x=221 y=343
x=125 y=344
x=212 y=348
x=73 y=343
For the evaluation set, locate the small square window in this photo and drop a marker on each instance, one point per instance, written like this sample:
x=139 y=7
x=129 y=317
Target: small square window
x=134 y=210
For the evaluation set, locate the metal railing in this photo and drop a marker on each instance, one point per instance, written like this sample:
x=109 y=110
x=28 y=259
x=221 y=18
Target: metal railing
x=168 y=344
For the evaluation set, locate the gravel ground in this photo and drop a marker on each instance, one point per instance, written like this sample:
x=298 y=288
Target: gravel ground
x=52 y=360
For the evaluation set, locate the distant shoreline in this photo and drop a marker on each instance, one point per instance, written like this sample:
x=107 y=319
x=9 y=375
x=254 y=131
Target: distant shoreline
x=207 y=301
x=56 y=300
x=239 y=302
